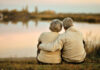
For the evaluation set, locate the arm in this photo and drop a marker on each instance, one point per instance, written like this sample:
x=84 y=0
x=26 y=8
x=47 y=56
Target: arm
x=53 y=46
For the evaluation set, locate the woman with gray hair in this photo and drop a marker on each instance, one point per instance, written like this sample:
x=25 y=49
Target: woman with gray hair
x=47 y=37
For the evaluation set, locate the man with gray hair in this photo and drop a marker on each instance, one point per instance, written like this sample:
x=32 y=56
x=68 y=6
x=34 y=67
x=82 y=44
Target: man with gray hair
x=70 y=42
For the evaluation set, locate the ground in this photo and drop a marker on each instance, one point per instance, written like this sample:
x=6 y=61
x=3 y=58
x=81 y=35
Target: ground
x=31 y=64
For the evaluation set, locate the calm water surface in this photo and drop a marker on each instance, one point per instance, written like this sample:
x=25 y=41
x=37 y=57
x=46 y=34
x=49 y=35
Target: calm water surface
x=20 y=39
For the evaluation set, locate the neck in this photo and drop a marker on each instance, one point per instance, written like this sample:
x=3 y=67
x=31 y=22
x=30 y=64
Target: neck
x=54 y=32
x=67 y=28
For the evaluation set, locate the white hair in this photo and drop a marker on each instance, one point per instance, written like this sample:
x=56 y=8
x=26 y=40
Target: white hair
x=67 y=22
x=56 y=25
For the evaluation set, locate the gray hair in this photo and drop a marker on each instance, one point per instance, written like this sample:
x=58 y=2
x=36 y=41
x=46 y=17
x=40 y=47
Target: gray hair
x=67 y=22
x=56 y=25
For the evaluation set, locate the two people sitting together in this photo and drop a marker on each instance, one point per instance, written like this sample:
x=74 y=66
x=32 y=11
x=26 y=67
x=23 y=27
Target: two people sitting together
x=53 y=48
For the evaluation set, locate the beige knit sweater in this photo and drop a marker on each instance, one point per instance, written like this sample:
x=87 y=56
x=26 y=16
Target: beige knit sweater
x=72 y=43
x=47 y=56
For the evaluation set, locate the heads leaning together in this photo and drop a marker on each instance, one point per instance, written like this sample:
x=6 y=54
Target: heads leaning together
x=56 y=24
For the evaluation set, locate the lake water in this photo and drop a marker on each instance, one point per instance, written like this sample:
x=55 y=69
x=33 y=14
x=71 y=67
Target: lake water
x=20 y=39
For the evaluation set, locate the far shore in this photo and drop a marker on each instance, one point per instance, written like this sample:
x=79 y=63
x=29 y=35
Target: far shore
x=24 y=15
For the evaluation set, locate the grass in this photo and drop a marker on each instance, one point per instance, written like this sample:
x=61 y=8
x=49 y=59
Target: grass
x=92 y=46
x=92 y=61
x=31 y=64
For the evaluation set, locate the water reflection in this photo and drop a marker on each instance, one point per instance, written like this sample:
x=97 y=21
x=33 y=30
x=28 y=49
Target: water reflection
x=19 y=39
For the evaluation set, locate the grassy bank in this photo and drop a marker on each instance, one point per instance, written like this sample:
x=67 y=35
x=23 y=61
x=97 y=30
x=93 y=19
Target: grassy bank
x=31 y=64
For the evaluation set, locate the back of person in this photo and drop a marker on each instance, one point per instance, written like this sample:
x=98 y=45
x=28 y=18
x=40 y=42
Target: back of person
x=70 y=43
x=73 y=50
x=47 y=56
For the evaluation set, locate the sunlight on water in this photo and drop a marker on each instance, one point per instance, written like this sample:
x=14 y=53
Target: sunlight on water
x=19 y=39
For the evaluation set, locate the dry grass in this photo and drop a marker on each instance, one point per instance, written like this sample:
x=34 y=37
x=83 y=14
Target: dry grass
x=92 y=46
x=31 y=64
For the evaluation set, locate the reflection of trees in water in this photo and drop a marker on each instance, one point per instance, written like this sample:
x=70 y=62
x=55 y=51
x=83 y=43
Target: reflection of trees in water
x=14 y=22
x=3 y=22
x=24 y=23
x=36 y=22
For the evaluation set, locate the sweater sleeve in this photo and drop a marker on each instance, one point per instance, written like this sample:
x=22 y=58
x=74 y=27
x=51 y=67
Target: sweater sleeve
x=53 y=46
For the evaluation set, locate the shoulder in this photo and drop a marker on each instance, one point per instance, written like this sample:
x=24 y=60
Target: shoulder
x=73 y=29
x=44 y=33
x=79 y=33
x=62 y=36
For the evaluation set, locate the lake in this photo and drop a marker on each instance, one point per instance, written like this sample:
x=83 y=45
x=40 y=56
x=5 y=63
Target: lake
x=19 y=39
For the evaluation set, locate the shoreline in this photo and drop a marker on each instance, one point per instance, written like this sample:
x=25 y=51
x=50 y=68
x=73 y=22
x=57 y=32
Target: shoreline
x=26 y=16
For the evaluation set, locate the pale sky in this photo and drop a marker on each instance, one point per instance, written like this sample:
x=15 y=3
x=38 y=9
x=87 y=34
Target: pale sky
x=66 y=6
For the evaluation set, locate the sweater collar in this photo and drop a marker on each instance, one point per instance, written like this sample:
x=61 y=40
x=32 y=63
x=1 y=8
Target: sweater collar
x=55 y=32
x=71 y=29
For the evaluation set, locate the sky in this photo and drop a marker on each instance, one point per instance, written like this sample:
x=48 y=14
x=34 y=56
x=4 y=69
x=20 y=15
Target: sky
x=65 y=6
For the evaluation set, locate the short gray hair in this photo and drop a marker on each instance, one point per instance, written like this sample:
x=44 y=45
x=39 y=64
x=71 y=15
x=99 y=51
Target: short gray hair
x=56 y=25
x=67 y=22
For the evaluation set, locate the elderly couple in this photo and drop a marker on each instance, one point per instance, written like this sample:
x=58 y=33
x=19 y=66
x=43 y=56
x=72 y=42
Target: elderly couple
x=53 y=48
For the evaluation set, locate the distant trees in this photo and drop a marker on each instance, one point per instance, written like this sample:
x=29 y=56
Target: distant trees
x=48 y=12
x=25 y=15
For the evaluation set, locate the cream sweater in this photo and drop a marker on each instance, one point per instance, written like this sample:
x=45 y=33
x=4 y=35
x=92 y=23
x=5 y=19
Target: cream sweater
x=72 y=43
x=48 y=56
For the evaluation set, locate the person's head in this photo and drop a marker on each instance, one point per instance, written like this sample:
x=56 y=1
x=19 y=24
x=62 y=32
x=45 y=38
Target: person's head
x=67 y=23
x=56 y=25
